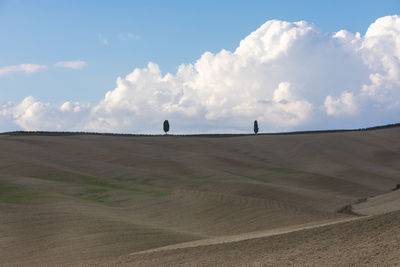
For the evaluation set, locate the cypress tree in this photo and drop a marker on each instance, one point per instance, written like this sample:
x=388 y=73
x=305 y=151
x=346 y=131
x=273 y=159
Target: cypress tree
x=255 y=127
x=166 y=126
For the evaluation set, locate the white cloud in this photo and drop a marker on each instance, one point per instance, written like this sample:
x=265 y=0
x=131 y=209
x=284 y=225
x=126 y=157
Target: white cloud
x=381 y=52
x=286 y=75
x=73 y=107
x=34 y=115
x=76 y=64
x=277 y=75
x=128 y=36
x=345 y=104
x=29 y=114
x=26 y=68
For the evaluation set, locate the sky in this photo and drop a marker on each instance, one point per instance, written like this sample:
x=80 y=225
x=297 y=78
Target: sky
x=206 y=66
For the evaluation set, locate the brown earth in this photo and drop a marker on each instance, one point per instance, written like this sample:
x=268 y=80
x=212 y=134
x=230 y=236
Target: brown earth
x=371 y=241
x=93 y=199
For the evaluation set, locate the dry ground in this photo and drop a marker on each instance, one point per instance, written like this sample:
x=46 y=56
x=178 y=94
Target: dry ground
x=373 y=241
x=93 y=199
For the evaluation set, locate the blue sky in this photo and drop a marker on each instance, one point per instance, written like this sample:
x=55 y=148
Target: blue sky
x=115 y=37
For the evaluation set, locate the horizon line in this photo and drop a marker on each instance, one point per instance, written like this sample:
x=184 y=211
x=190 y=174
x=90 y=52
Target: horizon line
x=60 y=133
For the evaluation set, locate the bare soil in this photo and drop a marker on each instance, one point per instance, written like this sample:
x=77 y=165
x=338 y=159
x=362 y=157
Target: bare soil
x=372 y=241
x=196 y=200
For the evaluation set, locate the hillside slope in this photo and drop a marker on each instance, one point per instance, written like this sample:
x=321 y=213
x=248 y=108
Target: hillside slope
x=103 y=196
x=373 y=241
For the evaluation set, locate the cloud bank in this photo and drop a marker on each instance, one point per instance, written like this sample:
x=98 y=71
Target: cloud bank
x=288 y=76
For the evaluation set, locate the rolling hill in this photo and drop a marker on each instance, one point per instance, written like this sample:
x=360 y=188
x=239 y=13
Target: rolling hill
x=87 y=198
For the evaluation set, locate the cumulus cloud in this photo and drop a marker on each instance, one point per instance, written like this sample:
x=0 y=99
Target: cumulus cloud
x=76 y=64
x=34 y=115
x=26 y=68
x=345 y=104
x=286 y=75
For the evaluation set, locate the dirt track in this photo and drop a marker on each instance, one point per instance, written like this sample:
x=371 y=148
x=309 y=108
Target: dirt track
x=90 y=198
x=372 y=241
x=246 y=236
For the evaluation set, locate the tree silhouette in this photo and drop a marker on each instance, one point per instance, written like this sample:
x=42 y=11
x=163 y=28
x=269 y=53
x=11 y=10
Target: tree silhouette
x=255 y=127
x=166 y=126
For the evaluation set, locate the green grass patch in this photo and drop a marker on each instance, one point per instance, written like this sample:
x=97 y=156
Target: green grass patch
x=105 y=191
x=95 y=194
x=98 y=184
x=282 y=170
x=20 y=194
x=120 y=196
